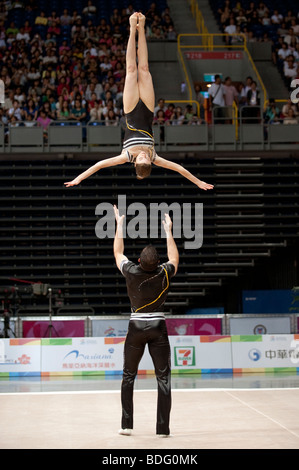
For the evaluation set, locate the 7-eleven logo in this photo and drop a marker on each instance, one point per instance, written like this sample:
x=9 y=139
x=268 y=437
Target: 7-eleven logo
x=184 y=356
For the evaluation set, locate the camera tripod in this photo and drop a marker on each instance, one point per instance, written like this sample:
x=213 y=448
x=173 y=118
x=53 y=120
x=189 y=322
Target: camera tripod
x=7 y=331
x=50 y=326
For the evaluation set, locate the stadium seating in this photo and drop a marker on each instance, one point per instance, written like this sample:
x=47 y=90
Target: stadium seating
x=48 y=231
x=259 y=29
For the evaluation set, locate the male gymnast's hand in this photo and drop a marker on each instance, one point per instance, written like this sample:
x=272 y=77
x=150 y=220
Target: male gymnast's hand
x=167 y=224
x=119 y=219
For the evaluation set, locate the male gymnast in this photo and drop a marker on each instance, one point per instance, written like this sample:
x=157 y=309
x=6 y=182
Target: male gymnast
x=147 y=286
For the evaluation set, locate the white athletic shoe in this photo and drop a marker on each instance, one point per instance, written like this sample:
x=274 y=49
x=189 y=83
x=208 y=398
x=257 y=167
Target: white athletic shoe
x=125 y=432
x=164 y=435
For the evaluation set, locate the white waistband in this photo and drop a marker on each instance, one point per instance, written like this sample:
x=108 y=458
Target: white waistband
x=148 y=316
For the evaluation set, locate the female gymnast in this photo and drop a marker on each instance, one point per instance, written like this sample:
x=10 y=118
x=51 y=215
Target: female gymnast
x=139 y=103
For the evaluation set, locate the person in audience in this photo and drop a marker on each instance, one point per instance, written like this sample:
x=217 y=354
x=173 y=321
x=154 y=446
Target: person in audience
x=230 y=97
x=78 y=112
x=291 y=37
x=290 y=69
x=290 y=118
x=284 y=51
x=230 y=29
x=178 y=117
x=90 y=10
x=245 y=89
x=262 y=10
x=287 y=106
x=111 y=118
x=16 y=111
x=160 y=106
x=217 y=100
x=64 y=113
x=276 y=18
x=30 y=110
x=44 y=121
x=96 y=111
x=65 y=19
x=253 y=103
x=272 y=113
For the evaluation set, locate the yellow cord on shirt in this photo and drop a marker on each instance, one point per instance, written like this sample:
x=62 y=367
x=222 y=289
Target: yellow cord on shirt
x=159 y=295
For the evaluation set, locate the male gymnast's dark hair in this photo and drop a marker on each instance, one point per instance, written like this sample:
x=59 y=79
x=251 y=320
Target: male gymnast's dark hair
x=149 y=258
x=143 y=170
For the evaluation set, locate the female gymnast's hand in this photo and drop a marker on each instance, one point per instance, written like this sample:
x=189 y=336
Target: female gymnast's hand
x=73 y=183
x=141 y=20
x=133 y=20
x=204 y=186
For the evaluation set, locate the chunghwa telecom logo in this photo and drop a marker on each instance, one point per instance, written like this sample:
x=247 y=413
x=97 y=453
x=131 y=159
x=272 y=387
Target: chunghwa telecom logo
x=254 y=354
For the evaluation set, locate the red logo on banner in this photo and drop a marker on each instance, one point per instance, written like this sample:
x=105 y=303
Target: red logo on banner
x=24 y=359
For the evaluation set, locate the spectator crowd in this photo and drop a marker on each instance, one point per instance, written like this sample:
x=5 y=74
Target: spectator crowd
x=258 y=22
x=67 y=66
x=261 y=22
x=71 y=65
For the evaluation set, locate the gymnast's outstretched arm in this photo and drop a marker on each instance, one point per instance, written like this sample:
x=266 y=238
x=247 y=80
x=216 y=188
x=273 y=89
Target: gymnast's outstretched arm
x=118 y=244
x=159 y=161
x=119 y=160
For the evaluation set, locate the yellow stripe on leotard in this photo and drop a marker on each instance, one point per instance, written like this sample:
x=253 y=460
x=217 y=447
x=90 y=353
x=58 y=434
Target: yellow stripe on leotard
x=131 y=128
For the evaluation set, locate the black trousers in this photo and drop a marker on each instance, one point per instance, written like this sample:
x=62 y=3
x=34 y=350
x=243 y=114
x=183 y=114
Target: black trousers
x=154 y=334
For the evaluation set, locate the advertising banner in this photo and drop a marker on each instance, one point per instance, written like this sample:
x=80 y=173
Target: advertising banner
x=60 y=328
x=265 y=352
x=194 y=326
x=109 y=327
x=175 y=326
x=189 y=354
x=79 y=355
x=105 y=355
x=86 y=356
x=259 y=325
x=201 y=354
x=20 y=357
x=270 y=301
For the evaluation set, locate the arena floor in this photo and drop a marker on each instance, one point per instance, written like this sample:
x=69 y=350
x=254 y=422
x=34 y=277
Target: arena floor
x=208 y=412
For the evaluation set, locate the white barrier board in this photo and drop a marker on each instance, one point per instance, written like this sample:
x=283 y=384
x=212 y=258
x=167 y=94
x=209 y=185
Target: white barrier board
x=261 y=325
x=20 y=356
x=197 y=354
x=265 y=352
x=105 y=355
